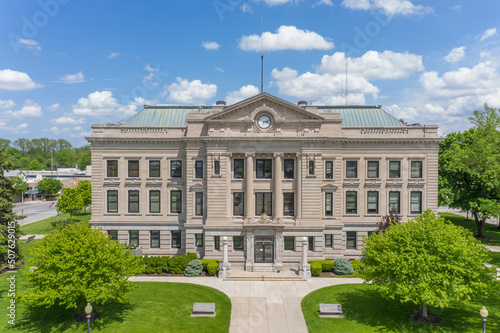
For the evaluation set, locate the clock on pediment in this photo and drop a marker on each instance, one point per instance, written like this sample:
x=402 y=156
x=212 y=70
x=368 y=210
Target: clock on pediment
x=264 y=122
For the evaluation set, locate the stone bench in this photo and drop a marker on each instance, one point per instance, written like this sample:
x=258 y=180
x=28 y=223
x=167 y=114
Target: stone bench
x=203 y=310
x=330 y=311
x=30 y=238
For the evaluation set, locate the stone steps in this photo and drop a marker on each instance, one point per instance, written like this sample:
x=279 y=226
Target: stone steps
x=264 y=278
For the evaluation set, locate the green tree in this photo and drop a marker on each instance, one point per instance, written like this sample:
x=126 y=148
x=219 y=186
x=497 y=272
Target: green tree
x=19 y=185
x=469 y=168
x=426 y=261
x=77 y=264
x=4 y=143
x=22 y=144
x=50 y=186
x=84 y=157
x=66 y=158
x=35 y=165
x=10 y=255
x=70 y=202
x=84 y=189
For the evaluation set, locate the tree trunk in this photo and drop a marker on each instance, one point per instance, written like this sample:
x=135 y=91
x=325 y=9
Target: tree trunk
x=480 y=225
x=424 y=310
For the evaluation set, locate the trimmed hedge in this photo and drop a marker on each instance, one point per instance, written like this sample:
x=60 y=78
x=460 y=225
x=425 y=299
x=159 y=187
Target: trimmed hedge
x=315 y=268
x=326 y=265
x=342 y=267
x=211 y=266
x=154 y=265
x=177 y=265
x=356 y=265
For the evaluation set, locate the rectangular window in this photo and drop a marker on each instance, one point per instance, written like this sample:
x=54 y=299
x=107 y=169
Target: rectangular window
x=133 y=168
x=288 y=204
x=372 y=171
x=369 y=233
x=133 y=237
x=289 y=243
x=329 y=240
x=351 y=240
x=416 y=169
x=238 y=204
x=416 y=203
x=351 y=169
x=155 y=239
x=154 y=168
x=394 y=199
x=238 y=242
x=112 y=168
x=263 y=203
x=394 y=169
x=351 y=202
x=199 y=240
x=175 y=201
x=176 y=239
x=217 y=243
x=154 y=201
x=372 y=205
x=239 y=168
x=198 y=169
x=176 y=169
x=311 y=168
x=112 y=201
x=329 y=204
x=264 y=169
x=288 y=168
x=310 y=241
x=133 y=201
x=329 y=169
x=198 y=202
x=217 y=167
x=113 y=234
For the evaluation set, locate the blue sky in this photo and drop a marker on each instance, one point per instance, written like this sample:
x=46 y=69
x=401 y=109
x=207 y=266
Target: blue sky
x=67 y=64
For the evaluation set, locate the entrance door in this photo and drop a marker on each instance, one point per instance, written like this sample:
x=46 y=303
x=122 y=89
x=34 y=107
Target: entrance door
x=264 y=249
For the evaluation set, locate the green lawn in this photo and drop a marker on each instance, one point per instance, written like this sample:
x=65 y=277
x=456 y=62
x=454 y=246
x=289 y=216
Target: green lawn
x=44 y=226
x=490 y=231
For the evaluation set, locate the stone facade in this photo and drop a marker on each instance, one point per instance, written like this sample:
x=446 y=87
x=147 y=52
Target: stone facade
x=263 y=172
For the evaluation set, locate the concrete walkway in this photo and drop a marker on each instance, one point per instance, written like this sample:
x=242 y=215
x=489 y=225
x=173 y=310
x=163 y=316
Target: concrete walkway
x=261 y=306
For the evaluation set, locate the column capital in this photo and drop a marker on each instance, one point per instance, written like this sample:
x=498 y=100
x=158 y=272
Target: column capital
x=249 y=154
x=278 y=155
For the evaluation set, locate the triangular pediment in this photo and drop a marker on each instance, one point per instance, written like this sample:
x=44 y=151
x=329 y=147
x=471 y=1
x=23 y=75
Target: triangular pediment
x=280 y=109
x=329 y=187
x=197 y=186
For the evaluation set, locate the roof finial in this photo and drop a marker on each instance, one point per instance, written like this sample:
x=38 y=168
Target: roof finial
x=261 y=55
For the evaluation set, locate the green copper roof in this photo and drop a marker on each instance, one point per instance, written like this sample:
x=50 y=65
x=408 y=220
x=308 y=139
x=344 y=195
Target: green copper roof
x=362 y=115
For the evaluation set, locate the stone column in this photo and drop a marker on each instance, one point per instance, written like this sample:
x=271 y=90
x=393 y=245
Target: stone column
x=278 y=193
x=224 y=266
x=305 y=268
x=249 y=195
x=278 y=262
x=298 y=203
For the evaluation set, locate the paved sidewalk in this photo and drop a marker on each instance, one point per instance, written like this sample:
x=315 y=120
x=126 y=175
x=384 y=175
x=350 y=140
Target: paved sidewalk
x=261 y=306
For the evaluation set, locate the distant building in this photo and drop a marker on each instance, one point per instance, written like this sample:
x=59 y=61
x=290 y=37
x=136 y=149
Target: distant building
x=263 y=172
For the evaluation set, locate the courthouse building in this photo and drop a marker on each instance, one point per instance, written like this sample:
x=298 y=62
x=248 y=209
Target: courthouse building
x=263 y=172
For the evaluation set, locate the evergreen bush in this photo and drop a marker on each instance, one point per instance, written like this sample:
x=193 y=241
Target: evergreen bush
x=177 y=265
x=212 y=267
x=316 y=268
x=194 y=268
x=326 y=265
x=342 y=267
x=356 y=265
x=154 y=265
x=206 y=262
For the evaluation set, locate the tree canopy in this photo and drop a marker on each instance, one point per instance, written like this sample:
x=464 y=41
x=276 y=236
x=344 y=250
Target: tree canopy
x=427 y=260
x=50 y=186
x=469 y=168
x=84 y=188
x=70 y=202
x=77 y=264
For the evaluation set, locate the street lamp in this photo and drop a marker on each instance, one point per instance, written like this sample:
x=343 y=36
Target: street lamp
x=88 y=311
x=484 y=314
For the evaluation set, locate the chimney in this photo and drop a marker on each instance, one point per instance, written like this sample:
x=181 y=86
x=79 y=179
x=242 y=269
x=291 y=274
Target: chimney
x=302 y=103
x=220 y=103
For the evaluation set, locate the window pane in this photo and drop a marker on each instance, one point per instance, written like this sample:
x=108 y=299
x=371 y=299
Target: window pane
x=176 y=169
x=394 y=169
x=329 y=204
x=372 y=202
x=133 y=168
x=112 y=168
x=351 y=202
x=217 y=243
x=217 y=167
x=238 y=242
x=155 y=238
x=199 y=204
x=372 y=169
x=198 y=165
x=154 y=168
x=329 y=240
x=199 y=240
x=133 y=201
x=175 y=202
x=238 y=204
x=310 y=241
x=416 y=169
x=113 y=234
x=133 y=237
x=154 y=201
x=311 y=168
x=288 y=202
x=264 y=168
x=351 y=239
x=176 y=239
x=351 y=169
x=394 y=201
x=112 y=201
x=263 y=204
x=289 y=243
x=329 y=169
x=239 y=168
x=416 y=203
x=288 y=168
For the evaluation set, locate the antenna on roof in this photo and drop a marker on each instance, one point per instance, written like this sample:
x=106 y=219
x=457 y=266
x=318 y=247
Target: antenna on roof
x=346 y=83
x=261 y=55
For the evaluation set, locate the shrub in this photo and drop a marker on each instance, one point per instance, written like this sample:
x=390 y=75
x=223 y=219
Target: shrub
x=342 y=267
x=212 y=267
x=205 y=263
x=326 y=265
x=154 y=265
x=194 y=268
x=356 y=265
x=315 y=268
x=177 y=265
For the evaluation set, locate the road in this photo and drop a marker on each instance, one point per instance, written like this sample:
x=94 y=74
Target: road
x=34 y=211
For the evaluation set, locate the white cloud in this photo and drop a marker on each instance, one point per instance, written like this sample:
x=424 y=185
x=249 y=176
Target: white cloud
x=374 y=65
x=219 y=69
x=286 y=38
x=149 y=68
x=30 y=110
x=210 y=45
x=389 y=7
x=7 y=104
x=68 y=121
x=30 y=44
x=456 y=7
x=193 y=92
x=246 y=8
x=488 y=33
x=73 y=78
x=455 y=55
x=239 y=95
x=14 y=80
x=323 y=2
x=276 y=2
x=102 y=103
x=53 y=107
x=19 y=129
x=114 y=54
